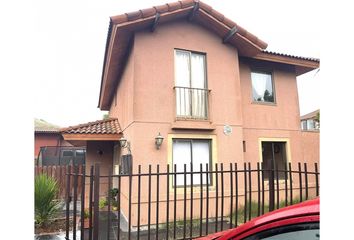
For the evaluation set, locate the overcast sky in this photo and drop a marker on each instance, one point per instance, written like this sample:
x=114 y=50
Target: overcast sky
x=72 y=37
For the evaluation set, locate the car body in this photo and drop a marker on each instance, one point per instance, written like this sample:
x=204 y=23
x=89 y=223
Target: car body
x=299 y=221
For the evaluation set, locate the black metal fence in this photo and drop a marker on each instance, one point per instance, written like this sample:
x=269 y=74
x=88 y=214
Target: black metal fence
x=166 y=204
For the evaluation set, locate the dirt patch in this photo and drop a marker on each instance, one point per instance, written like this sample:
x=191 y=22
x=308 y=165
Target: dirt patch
x=56 y=225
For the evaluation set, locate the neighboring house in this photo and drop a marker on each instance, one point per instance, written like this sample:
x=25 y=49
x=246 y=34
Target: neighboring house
x=310 y=121
x=209 y=87
x=49 y=145
x=45 y=134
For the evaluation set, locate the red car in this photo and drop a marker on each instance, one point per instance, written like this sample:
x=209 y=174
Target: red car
x=297 y=222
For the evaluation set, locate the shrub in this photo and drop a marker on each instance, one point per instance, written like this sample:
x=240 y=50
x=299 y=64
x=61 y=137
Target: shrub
x=102 y=203
x=45 y=193
x=86 y=213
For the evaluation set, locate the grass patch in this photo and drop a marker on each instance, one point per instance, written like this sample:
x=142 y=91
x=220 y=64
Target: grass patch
x=254 y=210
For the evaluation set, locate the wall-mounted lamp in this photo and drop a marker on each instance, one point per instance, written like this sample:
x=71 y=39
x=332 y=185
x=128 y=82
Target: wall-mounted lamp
x=158 y=141
x=124 y=143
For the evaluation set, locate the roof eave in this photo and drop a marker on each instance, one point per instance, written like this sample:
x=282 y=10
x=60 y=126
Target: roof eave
x=302 y=65
x=127 y=20
x=91 y=137
x=108 y=40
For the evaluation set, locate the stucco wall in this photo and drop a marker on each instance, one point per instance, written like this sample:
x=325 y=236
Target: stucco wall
x=105 y=161
x=285 y=113
x=122 y=105
x=311 y=146
x=44 y=139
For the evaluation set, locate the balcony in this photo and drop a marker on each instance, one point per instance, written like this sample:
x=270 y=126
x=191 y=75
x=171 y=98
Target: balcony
x=192 y=103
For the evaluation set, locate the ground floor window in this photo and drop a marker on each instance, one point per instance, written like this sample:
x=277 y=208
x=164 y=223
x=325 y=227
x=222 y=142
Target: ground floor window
x=187 y=151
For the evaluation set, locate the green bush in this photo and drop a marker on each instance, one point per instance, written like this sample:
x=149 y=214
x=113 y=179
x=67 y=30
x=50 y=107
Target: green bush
x=86 y=213
x=102 y=203
x=254 y=209
x=45 y=204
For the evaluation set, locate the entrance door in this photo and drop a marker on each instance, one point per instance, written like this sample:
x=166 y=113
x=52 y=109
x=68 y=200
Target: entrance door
x=274 y=157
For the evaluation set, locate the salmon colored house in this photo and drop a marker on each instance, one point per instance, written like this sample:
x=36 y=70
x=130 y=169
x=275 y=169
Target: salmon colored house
x=46 y=134
x=185 y=72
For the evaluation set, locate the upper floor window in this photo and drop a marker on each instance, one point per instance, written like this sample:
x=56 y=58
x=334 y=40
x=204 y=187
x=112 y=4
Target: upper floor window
x=191 y=85
x=262 y=87
x=309 y=124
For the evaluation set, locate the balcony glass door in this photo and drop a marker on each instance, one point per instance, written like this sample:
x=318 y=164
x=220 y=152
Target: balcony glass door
x=191 y=86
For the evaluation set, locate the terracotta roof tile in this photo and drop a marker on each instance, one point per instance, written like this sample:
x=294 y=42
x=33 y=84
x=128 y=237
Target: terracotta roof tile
x=107 y=126
x=134 y=15
x=148 y=12
x=187 y=3
x=206 y=7
x=174 y=6
x=218 y=15
x=162 y=8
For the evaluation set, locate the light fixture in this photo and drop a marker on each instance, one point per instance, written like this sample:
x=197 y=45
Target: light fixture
x=158 y=141
x=124 y=143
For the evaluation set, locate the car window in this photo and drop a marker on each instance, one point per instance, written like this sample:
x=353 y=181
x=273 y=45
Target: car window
x=308 y=231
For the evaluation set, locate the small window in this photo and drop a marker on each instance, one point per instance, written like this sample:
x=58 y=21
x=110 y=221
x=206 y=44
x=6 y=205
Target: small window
x=310 y=124
x=80 y=153
x=68 y=153
x=262 y=87
x=304 y=125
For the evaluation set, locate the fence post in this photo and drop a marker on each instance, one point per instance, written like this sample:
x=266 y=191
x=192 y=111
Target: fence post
x=110 y=196
x=75 y=185
x=271 y=182
x=68 y=171
x=316 y=174
x=96 y=201
x=83 y=202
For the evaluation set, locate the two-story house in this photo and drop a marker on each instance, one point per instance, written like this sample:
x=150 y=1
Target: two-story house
x=184 y=72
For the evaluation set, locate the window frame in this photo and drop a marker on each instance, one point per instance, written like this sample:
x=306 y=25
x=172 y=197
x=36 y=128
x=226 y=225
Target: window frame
x=67 y=151
x=210 y=163
x=264 y=71
x=283 y=230
x=213 y=159
x=287 y=151
x=206 y=88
